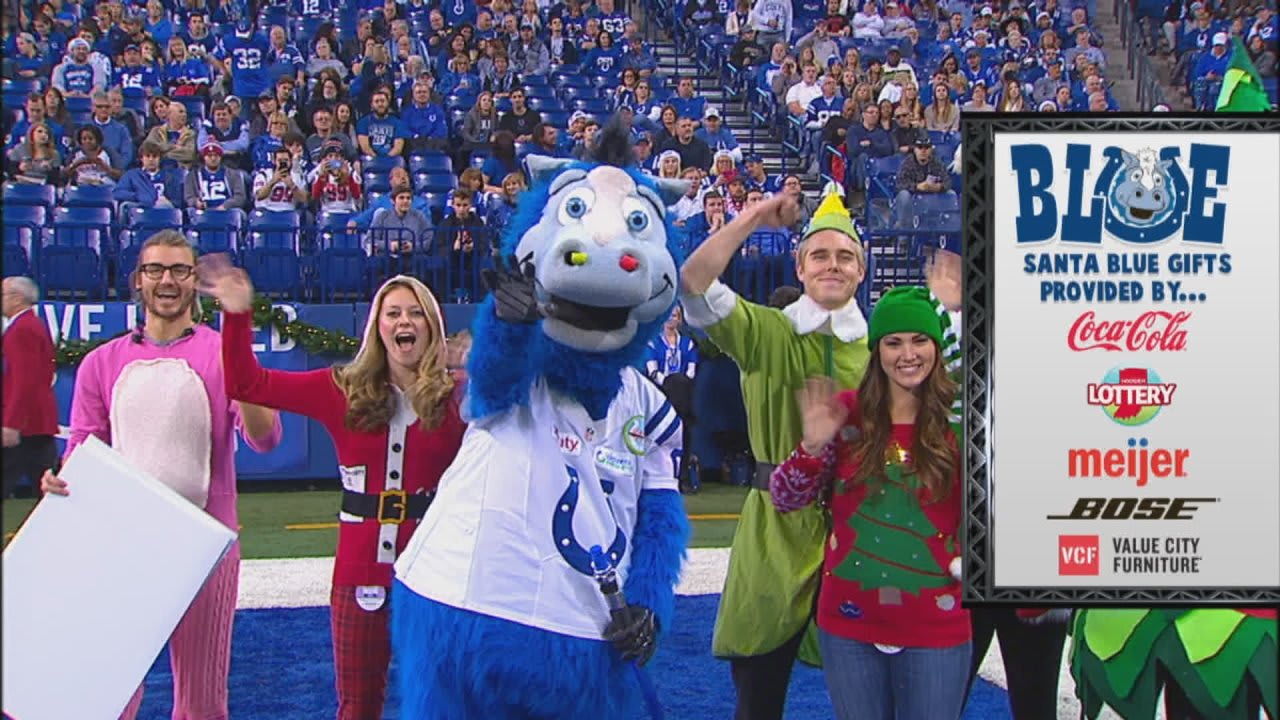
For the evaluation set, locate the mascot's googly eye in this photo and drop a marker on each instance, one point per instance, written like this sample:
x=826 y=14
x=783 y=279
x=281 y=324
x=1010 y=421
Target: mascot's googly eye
x=577 y=204
x=1135 y=176
x=636 y=215
x=1159 y=180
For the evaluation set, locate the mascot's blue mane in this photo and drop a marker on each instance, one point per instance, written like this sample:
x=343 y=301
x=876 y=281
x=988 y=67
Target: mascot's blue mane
x=506 y=358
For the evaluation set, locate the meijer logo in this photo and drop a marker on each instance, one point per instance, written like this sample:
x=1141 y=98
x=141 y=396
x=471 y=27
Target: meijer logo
x=1138 y=462
x=1078 y=555
x=1152 y=331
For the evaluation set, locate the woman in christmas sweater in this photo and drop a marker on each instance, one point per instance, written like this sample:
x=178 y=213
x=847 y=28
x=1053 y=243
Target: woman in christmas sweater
x=394 y=420
x=895 y=641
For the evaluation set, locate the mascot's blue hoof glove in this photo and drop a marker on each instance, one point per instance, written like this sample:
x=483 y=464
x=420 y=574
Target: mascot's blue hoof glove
x=560 y=519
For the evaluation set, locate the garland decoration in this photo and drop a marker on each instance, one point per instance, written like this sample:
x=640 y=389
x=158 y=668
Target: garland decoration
x=315 y=340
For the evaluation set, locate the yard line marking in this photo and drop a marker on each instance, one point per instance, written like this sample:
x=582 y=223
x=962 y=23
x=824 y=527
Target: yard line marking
x=332 y=525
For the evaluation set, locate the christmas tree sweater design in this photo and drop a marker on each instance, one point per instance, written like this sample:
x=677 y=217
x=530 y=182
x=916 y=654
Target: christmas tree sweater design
x=886 y=577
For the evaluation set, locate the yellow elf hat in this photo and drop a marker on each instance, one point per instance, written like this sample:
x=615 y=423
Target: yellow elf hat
x=832 y=215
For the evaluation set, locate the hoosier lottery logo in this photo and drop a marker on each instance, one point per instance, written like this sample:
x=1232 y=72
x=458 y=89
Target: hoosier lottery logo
x=1131 y=396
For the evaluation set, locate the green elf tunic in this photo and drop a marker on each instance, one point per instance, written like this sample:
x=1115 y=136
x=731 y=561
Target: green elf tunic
x=776 y=559
x=1209 y=653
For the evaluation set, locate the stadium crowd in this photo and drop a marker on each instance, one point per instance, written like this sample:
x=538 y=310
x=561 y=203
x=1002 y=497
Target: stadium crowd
x=399 y=130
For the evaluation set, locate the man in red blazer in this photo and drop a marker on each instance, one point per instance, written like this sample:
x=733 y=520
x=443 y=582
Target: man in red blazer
x=30 y=409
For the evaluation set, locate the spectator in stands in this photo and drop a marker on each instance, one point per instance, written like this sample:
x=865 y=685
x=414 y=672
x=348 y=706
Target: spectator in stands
x=896 y=24
x=668 y=164
x=735 y=201
x=738 y=20
x=520 y=121
x=1011 y=100
x=581 y=148
x=229 y=131
x=820 y=110
x=322 y=121
x=717 y=135
x=1266 y=26
x=865 y=141
x=502 y=161
x=322 y=58
x=337 y=189
x=804 y=92
x=478 y=126
x=702 y=14
x=136 y=78
x=805 y=205
x=819 y=40
x=686 y=102
x=747 y=52
x=380 y=133
x=530 y=55
x=263 y=147
x=921 y=173
x=772 y=20
x=35 y=114
x=637 y=57
x=1084 y=47
x=765 y=242
x=1263 y=57
x=692 y=151
x=758 y=178
x=401 y=228
x=149 y=185
x=424 y=122
x=768 y=71
x=28 y=62
x=978 y=101
x=503 y=206
x=1046 y=86
x=115 y=137
x=213 y=185
x=268 y=105
x=689 y=204
x=36 y=159
x=76 y=76
x=55 y=107
x=603 y=60
x=280 y=188
x=92 y=164
x=867 y=23
x=464 y=238
x=501 y=80
x=186 y=75
x=560 y=47
x=245 y=54
x=1213 y=64
x=942 y=115
x=710 y=220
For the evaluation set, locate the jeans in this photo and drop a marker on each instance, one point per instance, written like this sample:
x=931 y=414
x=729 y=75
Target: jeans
x=912 y=684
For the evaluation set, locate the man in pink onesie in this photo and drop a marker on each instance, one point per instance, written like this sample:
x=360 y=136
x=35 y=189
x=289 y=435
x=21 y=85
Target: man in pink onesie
x=156 y=395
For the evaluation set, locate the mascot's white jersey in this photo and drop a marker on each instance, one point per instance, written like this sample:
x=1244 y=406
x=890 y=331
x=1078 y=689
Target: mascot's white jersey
x=531 y=491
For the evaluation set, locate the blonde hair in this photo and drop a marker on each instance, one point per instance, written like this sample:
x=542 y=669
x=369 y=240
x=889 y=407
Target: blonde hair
x=366 y=380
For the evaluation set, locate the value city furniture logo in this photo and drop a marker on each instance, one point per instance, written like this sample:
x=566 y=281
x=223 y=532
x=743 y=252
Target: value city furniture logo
x=1078 y=555
x=1152 y=331
x=1130 y=396
x=1139 y=197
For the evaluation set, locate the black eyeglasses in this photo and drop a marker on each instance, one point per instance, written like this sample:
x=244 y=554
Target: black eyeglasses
x=155 y=271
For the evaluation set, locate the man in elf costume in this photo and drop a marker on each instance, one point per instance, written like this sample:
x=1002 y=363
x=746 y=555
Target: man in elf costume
x=774 y=567
x=1212 y=663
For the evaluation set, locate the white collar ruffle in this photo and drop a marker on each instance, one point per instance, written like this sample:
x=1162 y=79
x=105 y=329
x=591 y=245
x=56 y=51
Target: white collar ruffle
x=846 y=323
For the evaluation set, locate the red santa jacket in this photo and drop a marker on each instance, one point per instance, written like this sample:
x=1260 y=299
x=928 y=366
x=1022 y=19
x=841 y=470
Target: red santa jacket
x=401 y=456
x=29 y=403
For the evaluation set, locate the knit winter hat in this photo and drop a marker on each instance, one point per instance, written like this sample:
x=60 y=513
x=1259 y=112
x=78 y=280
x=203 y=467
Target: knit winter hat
x=832 y=215
x=905 y=309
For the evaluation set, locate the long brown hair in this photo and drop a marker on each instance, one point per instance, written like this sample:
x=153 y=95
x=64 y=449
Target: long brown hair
x=366 y=380
x=934 y=460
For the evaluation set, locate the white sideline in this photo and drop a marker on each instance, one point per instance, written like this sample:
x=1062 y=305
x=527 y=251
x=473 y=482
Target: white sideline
x=304 y=582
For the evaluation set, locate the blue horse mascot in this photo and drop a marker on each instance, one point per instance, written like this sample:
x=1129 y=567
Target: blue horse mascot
x=568 y=463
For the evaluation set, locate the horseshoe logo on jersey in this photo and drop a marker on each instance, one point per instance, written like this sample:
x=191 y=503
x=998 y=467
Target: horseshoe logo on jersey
x=562 y=529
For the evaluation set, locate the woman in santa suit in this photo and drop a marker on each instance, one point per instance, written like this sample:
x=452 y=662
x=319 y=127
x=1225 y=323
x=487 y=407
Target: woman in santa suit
x=394 y=420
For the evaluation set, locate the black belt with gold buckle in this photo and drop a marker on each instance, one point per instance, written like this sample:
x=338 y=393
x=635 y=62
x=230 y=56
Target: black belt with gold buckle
x=390 y=507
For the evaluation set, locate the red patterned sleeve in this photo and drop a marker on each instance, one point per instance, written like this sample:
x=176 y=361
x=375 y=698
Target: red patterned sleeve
x=798 y=482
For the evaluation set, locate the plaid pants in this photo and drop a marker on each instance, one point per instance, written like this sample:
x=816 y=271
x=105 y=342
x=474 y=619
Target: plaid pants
x=361 y=654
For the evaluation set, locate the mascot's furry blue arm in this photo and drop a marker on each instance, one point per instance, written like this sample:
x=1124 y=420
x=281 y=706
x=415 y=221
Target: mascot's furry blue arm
x=495 y=611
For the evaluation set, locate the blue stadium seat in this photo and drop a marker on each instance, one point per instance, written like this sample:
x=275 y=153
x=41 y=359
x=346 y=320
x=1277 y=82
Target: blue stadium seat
x=593 y=105
x=563 y=80
x=70 y=271
x=273 y=230
x=275 y=271
x=502 y=105
x=882 y=176
x=26 y=86
x=570 y=93
x=23 y=237
x=274 y=15
x=333 y=232
x=343 y=273
x=380 y=163
x=434 y=182
x=215 y=230
x=138 y=104
x=78 y=104
x=376 y=182
x=95 y=196
x=29 y=194
x=436 y=201
x=546 y=104
x=433 y=162
x=16 y=261
x=456 y=118
x=143 y=222
x=557 y=118
x=540 y=92
x=532 y=81
x=83 y=226
x=478 y=157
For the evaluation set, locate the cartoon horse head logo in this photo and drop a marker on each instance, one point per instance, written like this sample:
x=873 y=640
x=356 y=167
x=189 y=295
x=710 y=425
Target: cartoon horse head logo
x=1145 y=193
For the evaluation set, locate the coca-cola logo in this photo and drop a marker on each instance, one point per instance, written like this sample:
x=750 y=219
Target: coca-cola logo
x=1152 y=331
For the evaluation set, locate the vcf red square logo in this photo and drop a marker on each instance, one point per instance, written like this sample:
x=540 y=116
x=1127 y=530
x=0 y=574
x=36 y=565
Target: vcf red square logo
x=1078 y=555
